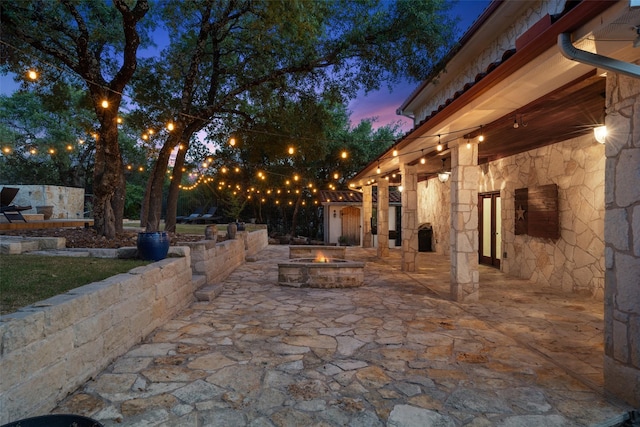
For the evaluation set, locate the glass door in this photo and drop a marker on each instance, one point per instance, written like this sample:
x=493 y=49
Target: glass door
x=490 y=225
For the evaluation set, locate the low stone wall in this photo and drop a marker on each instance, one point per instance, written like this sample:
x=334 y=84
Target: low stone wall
x=255 y=241
x=51 y=348
x=214 y=260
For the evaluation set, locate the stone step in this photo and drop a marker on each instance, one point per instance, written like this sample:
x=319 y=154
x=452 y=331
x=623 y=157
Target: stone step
x=209 y=292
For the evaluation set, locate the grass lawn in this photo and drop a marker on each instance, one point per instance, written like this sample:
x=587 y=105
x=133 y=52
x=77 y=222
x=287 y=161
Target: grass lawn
x=26 y=279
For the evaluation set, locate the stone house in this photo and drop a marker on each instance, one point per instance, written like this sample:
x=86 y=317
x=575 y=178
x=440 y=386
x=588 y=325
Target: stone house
x=514 y=118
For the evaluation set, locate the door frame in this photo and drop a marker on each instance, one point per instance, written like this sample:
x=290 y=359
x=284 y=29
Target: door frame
x=495 y=231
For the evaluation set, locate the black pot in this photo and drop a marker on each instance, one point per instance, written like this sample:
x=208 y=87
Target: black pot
x=55 y=420
x=153 y=245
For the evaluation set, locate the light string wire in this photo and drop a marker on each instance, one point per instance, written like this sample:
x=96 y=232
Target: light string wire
x=133 y=100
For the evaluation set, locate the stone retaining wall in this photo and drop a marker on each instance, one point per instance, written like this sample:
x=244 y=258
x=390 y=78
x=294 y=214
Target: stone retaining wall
x=49 y=349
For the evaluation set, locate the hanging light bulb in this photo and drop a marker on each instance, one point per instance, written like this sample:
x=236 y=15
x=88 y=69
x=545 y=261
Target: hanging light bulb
x=104 y=103
x=395 y=152
x=439 y=147
x=422 y=159
x=378 y=170
x=481 y=137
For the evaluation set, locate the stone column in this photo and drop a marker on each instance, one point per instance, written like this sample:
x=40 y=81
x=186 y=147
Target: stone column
x=409 y=216
x=465 y=280
x=383 y=218
x=622 y=239
x=367 y=211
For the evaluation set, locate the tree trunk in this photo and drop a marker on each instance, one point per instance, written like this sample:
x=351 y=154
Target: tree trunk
x=150 y=218
x=294 y=217
x=107 y=177
x=117 y=203
x=174 y=189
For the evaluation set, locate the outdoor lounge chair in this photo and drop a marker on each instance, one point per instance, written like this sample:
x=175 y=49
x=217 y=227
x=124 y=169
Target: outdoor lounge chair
x=11 y=212
x=207 y=218
x=186 y=219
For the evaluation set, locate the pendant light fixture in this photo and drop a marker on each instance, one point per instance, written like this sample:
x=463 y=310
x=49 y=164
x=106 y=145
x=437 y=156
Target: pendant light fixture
x=443 y=175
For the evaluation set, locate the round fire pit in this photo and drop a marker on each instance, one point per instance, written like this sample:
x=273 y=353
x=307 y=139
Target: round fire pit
x=323 y=272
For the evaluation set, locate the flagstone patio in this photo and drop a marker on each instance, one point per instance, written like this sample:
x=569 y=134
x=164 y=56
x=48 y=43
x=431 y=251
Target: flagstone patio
x=394 y=352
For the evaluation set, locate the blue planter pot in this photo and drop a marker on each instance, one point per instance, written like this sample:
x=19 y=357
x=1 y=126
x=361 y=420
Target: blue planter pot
x=153 y=246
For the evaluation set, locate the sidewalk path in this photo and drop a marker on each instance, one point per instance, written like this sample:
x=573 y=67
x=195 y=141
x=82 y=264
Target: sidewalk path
x=395 y=352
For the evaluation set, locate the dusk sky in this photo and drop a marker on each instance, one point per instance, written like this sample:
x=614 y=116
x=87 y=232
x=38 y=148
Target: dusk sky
x=383 y=104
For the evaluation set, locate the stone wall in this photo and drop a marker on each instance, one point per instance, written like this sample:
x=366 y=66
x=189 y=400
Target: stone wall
x=51 y=348
x=67 y=202
x=434 y=207
x=255 y=241
x=575 y=262
x=216 y=261
x=622 y=236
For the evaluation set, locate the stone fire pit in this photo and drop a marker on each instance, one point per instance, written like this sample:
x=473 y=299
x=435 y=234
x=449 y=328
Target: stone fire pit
x=315 y=251
x=321 y=272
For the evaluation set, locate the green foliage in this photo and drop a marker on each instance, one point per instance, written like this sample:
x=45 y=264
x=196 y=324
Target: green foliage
x=43 y=128
x=133 y=201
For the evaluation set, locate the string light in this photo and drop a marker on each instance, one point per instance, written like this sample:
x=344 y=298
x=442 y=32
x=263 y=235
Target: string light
x=32 y=74
x=232 y=142
x=481 y=137
x=291 y=150
x=439 y=147
x=170 y=126
x=104 y=103
x=395 y=152
x=344 y=155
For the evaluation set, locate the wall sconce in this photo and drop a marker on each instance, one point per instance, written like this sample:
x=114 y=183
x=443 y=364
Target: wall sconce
x=600 y=133
x=334 y=213
x=443 y=175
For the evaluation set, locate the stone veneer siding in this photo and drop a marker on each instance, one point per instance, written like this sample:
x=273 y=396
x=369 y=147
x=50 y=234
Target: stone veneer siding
x=434 y=207
x=622 y=239
x=575 y=262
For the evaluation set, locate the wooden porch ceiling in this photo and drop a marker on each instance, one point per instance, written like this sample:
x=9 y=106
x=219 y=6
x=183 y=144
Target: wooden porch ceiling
x=568 y=112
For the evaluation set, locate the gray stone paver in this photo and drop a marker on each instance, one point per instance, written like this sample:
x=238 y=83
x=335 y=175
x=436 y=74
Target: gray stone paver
x=395 y=352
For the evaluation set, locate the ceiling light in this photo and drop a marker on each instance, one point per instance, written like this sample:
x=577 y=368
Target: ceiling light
x=443 y=175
